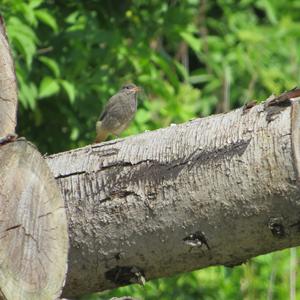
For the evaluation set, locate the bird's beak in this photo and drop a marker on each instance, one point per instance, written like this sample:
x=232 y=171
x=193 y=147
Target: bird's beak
x=135 y=89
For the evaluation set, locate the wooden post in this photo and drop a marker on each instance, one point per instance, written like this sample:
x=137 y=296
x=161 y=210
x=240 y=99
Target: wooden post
x=33 y=226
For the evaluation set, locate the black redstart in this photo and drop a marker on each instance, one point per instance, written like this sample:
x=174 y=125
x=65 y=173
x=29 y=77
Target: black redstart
x=118 y=112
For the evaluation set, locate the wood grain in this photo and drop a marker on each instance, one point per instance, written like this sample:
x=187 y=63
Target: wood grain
x=33 y=227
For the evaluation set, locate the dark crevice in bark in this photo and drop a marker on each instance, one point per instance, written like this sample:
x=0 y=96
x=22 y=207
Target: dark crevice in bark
x=156 y=171
x=124 y=274
x=13 y=227
x=118 y=194
x=70 y=174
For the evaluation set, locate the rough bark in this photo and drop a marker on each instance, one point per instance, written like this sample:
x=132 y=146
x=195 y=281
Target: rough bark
x=33 y=227
x=8 y=86
x=213 y=191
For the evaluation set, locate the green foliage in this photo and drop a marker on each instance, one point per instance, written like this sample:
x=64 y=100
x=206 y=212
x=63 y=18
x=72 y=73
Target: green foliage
x=265 y=277
x=71 y=56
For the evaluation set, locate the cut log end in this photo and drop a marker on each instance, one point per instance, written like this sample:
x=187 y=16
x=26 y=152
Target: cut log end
x=33 y=226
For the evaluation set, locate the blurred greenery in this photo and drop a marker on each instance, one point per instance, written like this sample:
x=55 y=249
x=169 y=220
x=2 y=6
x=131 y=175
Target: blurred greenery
x=192 y=58
x=265 y=277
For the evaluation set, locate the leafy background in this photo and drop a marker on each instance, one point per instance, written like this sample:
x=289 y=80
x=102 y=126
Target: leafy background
x=192 y=58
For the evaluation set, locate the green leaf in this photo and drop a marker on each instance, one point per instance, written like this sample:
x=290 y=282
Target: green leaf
x=35 y=3
x=23 y=37
x=18 y=26
x=28 y=13
x=167 y=67
x=195 y=79
x=192 y=41
x=74 y=134
x=72 y=18
x=26 y=47
x=182 y=70
x=48 y=87
x=28 y=94
x=69 y=89
x=269 y=9
x=44 y=16
x=51 y=64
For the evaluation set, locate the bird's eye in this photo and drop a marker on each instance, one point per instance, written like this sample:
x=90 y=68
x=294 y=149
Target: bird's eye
x=127 y=87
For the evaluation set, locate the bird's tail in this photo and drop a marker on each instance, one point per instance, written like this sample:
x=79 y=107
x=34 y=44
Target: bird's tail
x=101 y=133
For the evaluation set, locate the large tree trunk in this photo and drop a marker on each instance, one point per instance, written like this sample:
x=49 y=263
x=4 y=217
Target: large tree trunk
x=213 y=191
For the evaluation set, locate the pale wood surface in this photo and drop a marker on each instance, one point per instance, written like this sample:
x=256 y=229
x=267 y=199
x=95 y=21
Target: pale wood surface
x=33 y=226
x=8 y=86
x=212 y=191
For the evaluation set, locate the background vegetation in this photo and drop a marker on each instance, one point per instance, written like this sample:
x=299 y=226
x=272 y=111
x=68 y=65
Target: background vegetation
x=192 y=57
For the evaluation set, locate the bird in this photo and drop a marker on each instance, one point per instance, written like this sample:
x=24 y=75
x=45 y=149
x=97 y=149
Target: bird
x=118 y=112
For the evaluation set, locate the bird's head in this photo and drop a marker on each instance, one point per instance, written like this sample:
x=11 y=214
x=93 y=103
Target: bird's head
x=130 y=88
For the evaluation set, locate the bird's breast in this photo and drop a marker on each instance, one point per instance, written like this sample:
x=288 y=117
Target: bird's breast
x=130 y=108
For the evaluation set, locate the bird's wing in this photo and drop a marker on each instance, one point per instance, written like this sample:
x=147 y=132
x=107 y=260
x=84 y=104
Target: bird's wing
x=113 y=101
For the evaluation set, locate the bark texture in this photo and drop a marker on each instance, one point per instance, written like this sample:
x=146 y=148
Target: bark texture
x=213 y=191
x=8 y=86
x=33 y=227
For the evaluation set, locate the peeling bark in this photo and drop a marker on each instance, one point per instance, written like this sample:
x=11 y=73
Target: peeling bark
x=213 y=191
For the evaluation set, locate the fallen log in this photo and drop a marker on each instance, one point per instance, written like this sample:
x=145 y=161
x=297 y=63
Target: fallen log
x=213 y=191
